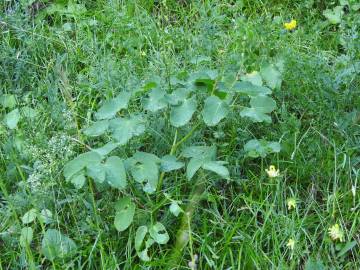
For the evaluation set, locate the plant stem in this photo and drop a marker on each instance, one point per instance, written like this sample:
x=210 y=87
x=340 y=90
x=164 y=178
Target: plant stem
x=184 y=232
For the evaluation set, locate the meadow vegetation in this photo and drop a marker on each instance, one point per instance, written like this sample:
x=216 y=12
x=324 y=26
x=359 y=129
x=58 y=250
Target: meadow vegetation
x=179 y=134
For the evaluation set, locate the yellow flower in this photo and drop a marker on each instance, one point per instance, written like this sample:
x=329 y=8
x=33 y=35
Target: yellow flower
x=272 y=172
x=290 y=25
x=291 y=203
x=336 y=233
x=142 y=53
x=291 y=243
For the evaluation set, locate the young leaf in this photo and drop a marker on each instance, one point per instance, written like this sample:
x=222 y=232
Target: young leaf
x=214 y=110
x=12 y=118
x=217 y=167
x=115 y=172
x=56 y=245
x=181 y=115
x=170 y=163
x=96 y=129
x=271 y=76
x=125 y=210
x=110 y=107
x=159 y=234
x=146 y=172
x=26 y=236
x=126 y=128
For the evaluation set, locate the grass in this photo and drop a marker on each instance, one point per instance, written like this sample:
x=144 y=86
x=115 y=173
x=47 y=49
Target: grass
x=61 y=61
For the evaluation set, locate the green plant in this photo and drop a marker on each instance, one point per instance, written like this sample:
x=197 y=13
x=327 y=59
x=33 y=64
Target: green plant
x=188 y=103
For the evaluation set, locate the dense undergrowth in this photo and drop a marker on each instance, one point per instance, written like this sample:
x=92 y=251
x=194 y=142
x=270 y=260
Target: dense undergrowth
x=138 y=135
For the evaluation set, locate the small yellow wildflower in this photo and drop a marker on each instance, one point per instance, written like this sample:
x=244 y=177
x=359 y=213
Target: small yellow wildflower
x=142 y=53
x=272 y=172
x=336 y=233
x=291 y=244
x=291 y=203
x=290 y=25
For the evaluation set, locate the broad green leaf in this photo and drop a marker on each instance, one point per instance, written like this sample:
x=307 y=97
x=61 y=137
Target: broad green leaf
x=156 y=100
x=193 y=166
x=125 y=210
x=110 y=107
x=141 y=247
x=175 y=209
x=217 y=167
x=253 y=77
x=96 y=171
x=7 y=101
x=143 y=254
x=255 y=115
x=159 y=234
x=214 y=110
x=28 y=112
x=126 y=128
x=96 y=129
x=146 y=157
x=251 y=89
x=348 y=246
x=140 y=236
x=56 y=245
x=204 y=78
x=334 y=15
x=260 y=105
x=181 y=115
x=45 y=216
x=29 y=216
x=26 y=236
x=78 y=180
x=312 y=264
x=200 y=58
x=170 y=163
x=147 y=173
x=271 y=76
x=263 y=104
x=260 y=148
x=201 y=152
x=115 y=172
x=178 y=96
x=79 y=163
x=106 y=149
x=12 y=118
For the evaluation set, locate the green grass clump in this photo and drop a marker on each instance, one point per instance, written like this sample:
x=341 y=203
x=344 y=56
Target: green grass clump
x=193 y=101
